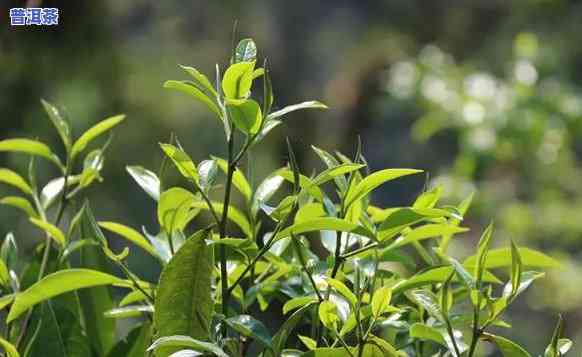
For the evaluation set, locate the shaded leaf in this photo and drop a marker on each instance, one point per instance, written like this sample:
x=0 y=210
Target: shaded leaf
x=146 y=179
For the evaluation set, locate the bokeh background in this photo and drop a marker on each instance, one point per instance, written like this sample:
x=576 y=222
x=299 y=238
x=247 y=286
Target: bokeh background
x=484 y=94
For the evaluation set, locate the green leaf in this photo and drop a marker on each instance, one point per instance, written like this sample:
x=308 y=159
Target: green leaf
x=330 y=161
x=234 y=215
x=12 y=178
x=381 y=301
x=200 y=79
x=507 y=347
x=54 y=188
x=285 y=330
x=433 y=275
x=9 y=348
x=291 y=108
x=265 y=191
x=31 y=147
x=428 y=301
x=191 y=90
x=246 y=116
x=4 y=274
x=329 y=352
x=482 y=252
x=328 y=315
x=427 y=333
x=92 y=165
x=131 y=235
x=9 y=250
x=58 y=283
x=129 y=311
x=555 y=348
x=94 y=132
x=499 y=258
x=207 y=170
x=53 y=231
x=516 y=268
x=248 y=326
x=246 y=51
x=299 y=301
x=182 y=161
x=344 y=290
x=174 y=209
x=308 y=342
x=175 y=341
x=20 y=203
x=425 y=232
x=326 y=223
x=146 y=179
x=134 y=344
x=238 y=179
x=59 y=123
x=374 y=180
x=238 y=79
x=334 y=172
x=184 y=304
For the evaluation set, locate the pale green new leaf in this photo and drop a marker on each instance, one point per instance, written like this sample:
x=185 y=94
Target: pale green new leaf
x=344 y=290
x=328 y=315
x=20 y=203
x=174 y=209
x=131 y=235
x=200 y=79
x=507 y=347
x=246 y=116
x=59 y=123
x=325 y=223
x=12 y=178
x=374 y=180
x=238 y=179
x=425 y=232
x=238 y=79
x=58 y=283
x=94 y=132
x=291 y=108
x=182 y=161
x=381 y=301
x=53 y=231
x=191 y=90
x=186 y=341
x=499 y=258
x=31 y=147
x=9 y=348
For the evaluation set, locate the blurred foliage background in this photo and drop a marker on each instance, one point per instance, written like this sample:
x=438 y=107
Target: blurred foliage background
x=484 y=94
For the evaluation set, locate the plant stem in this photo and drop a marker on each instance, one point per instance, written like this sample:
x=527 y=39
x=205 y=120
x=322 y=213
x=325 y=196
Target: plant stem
x=222 y=227
x=304 y=266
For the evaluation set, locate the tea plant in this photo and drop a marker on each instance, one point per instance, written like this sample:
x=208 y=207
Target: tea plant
x=348 y=277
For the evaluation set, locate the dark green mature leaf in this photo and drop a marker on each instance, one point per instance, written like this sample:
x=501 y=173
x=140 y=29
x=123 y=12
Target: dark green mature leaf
x=246 y=116
x=371 y=182
x=246 y=51
x=499 y=258
x=179 y=342
x=184 y=303
x=134 y=344
x=146 y=179
x=191 y=90
x=59 y=283
x=237 y=80
x=248 y=326
x=60 y=332
x=507 y=347
x=97 y=300
x=285 y=330
x=31 y=147
x=12 y=178
x=291 y=108
x=94 y=132
x=59 y=123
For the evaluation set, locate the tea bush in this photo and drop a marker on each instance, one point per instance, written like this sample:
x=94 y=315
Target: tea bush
x=347 y=278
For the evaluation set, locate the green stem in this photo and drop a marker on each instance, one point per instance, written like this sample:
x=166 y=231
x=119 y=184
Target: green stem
x=222 y=227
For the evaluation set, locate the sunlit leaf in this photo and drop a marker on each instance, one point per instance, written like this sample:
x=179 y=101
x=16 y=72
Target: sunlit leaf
x=174 y=209
x=238 y=79
x=200 y=79
x=59 y=122
x=247 y=116
x=31 y=147
x=58 y=283
x=178 y=342
x=246 y=51
x=325 y=223
x=182 y=161
x=381 y=300
x=12 y=178
x=507 y=347
x=191 y=90
x=499 y=258
x=146 y=179
x=53 y=231
x=20 y=203
x=94 y=132
x=238 y=179
x=130 y=234
x=248 y=326
x=291 y=108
